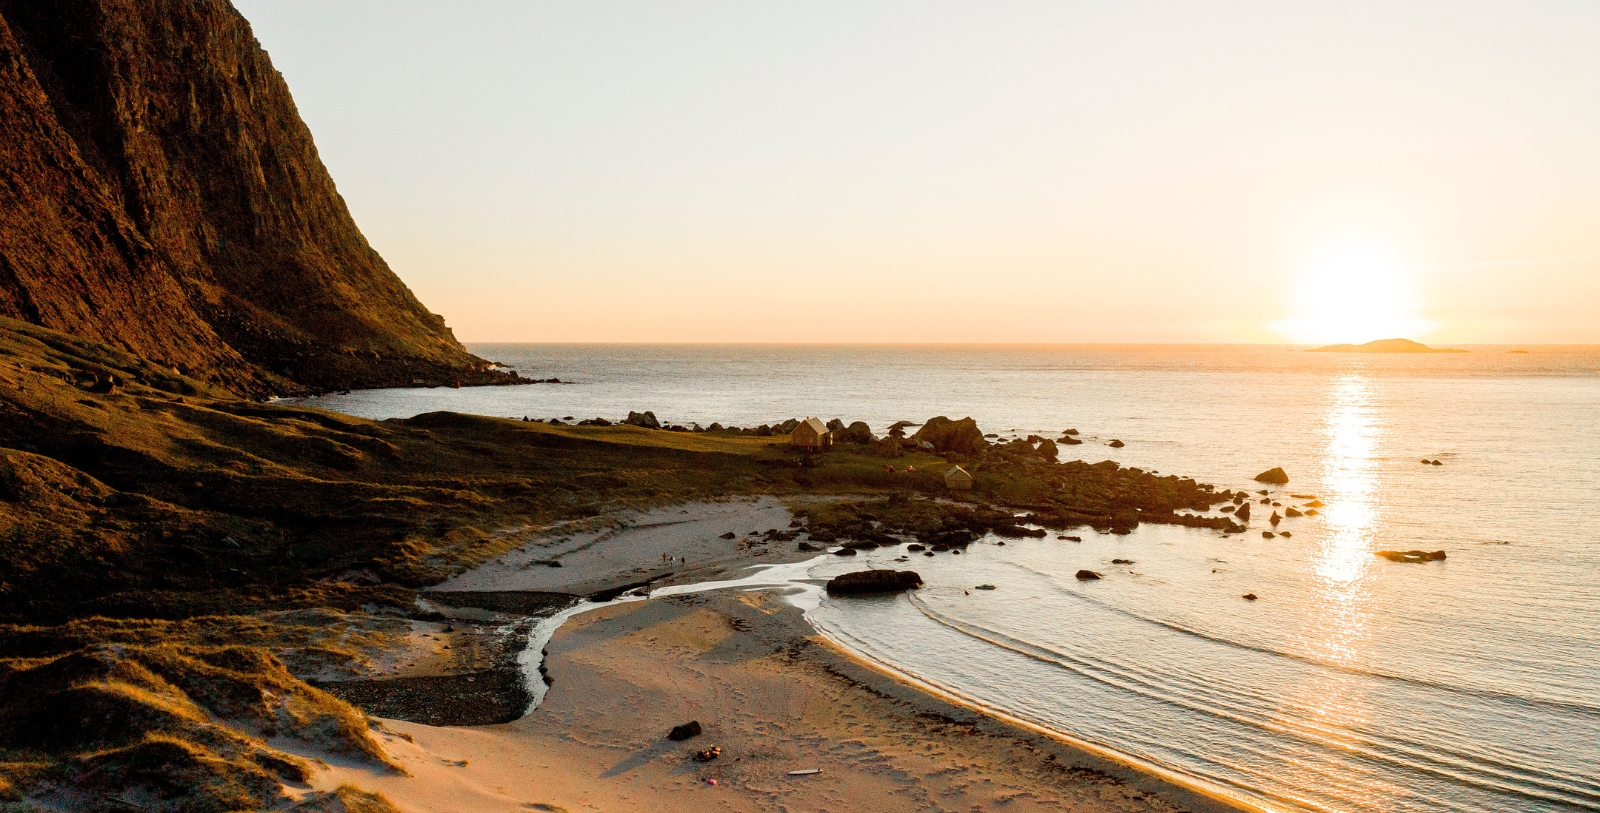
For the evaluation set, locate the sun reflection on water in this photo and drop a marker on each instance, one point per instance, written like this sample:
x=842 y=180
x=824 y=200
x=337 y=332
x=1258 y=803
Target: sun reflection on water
x=1336 y=626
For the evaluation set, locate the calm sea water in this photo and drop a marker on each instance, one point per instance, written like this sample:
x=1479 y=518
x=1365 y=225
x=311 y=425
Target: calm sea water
x=1353 y=683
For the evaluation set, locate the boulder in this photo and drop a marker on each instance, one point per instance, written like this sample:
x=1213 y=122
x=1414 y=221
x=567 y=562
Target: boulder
x=1069 y=432
x=679 y=733
x=1047 y=449
x=1243 y=512
x=644 y=420
x=961 y=436
x=873 y=581
x=845 y=552
x=1275 y=476
x=857 y=432
x=1068 y=440
x=834 y=425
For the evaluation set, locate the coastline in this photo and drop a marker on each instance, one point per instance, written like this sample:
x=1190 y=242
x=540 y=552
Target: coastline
x=771 y=690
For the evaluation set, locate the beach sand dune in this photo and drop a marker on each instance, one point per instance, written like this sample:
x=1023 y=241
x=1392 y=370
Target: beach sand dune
x=774 y=697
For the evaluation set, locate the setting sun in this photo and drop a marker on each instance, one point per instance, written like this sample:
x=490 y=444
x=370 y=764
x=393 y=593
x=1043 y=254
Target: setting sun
x=1354 y=290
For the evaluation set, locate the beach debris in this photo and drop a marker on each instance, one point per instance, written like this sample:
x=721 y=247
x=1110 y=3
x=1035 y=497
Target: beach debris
x=984 y=587
x=1087 y=576
x=679 y=733
x=1414 y=556
x=873 y=581
x=1116 y=444
x=708 y=754
x=804 y=772
x=1274 y=476
x=1249 y=596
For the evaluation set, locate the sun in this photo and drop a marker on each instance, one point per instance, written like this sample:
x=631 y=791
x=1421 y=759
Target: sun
x=1354 y=290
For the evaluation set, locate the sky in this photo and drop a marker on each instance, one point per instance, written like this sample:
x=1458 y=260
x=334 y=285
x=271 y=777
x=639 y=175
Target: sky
x=1132 y=171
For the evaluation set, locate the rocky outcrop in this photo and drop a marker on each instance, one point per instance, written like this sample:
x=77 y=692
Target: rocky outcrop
x=962 y=437
x=159 y=193
x=643 y=420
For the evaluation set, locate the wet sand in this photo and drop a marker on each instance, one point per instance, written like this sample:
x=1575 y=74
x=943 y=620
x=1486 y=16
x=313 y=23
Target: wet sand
x=774 y=697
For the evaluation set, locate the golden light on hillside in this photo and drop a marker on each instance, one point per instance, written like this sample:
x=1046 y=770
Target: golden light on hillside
x=1354 y=291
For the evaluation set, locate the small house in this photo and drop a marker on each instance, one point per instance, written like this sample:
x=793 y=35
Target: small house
x=811 y=435
x=957 y=479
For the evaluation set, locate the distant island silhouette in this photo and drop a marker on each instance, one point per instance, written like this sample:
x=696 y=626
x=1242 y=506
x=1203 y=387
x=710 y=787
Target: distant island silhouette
x=1384 y=346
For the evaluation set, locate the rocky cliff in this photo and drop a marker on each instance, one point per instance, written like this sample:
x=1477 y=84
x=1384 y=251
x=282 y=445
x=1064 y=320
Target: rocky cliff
x=159 y=193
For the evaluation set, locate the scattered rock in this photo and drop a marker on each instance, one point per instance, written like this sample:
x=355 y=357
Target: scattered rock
x=1274 y=519
x=1088 y=576
x=1285 y=534
x=1436 y=462
x=1292 y=512
x=1116 y=444
x=1314 y=504
x=1243 y=512
x=1267 y=534
x=1122 y=561
x=1275 y=476
x=873 y=581
x=679 y=733
x=914 y=547
x=984 y=587
x=1249 y=596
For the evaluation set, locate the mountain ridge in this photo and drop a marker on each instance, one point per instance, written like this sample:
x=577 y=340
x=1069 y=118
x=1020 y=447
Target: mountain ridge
x=160 y=193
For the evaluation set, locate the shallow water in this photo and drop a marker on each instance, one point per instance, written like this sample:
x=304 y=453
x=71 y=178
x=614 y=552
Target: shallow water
x=1354 y=683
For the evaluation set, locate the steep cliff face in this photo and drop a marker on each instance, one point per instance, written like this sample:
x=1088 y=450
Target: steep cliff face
x=159 y=192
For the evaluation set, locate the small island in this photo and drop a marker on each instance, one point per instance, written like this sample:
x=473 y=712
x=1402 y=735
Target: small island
x=1384 y=346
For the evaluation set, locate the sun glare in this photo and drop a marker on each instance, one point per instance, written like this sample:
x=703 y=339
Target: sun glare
x=1354 y=291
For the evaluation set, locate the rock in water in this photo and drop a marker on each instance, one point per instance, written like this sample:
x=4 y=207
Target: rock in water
x=1116 y=444
x=1413 y=556
x=1275 y=476
x=1088 y=576
x=679 y=733
x=1274 y=519
x=873 y=581
x=1243 y=512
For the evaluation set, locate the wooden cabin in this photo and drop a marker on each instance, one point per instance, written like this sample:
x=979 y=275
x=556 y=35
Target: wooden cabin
x=957 y=479
x=811 y=435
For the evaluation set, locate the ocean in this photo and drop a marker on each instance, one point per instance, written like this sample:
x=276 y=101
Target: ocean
x=1352 y=683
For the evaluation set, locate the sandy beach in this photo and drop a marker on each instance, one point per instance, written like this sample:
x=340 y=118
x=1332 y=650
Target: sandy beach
x=768 y=691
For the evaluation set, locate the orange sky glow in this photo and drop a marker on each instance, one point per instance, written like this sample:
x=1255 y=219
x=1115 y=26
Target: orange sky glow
x=941 y=172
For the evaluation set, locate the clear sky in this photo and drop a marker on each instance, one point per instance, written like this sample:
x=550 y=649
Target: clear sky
x=1122 y=171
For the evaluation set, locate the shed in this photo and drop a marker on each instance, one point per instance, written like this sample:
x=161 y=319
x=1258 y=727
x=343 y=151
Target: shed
x=957 y=479
x=811 y=434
